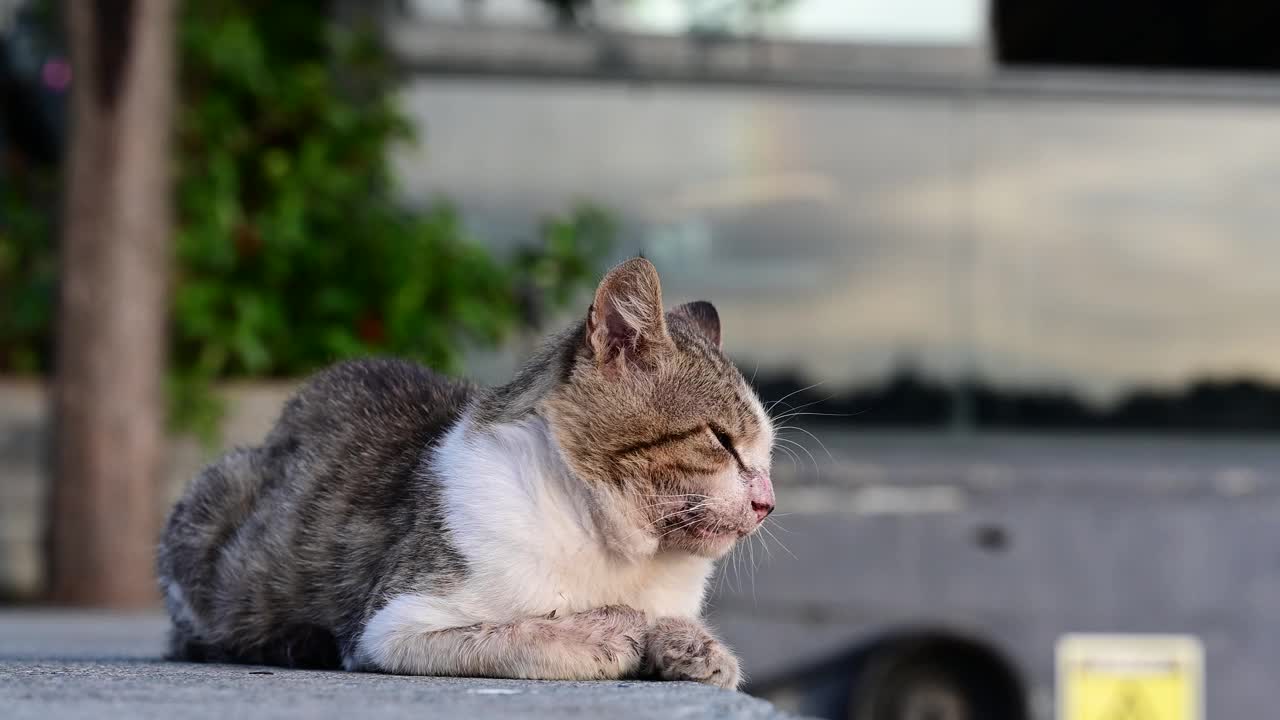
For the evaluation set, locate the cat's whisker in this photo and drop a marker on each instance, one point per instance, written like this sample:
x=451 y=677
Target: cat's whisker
x=788 y=416
x=675 y=529
x=673 y=513
x=680 y=526
x=661 y=504
x=672 y=495
x=705 y=502
x=727 y=563
x=792 y=409
x=802 y=447
x=790 y=453
x=650 y=525
x=774 y=404
x=763 y=545
x=721 y=571
x=668 y=531
x=810 y=434
x=654 y=505
x=767 y=537
x=815 y=439
x=778 y=540
x=737 y=569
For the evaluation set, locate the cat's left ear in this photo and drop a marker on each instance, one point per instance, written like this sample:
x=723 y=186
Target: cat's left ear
x=703 y=315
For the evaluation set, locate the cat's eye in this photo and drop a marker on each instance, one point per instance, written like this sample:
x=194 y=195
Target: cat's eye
x=725 y=441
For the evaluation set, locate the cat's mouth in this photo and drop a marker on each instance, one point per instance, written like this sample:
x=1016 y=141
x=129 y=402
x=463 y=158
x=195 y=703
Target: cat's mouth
x=720 y=532
x=713 y=533
x=705 y=530
x=712 y=541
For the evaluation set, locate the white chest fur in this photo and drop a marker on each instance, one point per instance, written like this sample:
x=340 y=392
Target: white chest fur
x=523 y=524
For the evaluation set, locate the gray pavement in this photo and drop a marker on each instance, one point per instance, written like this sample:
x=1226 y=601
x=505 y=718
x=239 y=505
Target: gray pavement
x=56 y=666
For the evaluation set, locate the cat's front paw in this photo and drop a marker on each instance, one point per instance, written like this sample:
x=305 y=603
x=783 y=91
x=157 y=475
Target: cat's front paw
x=619 y=632
x=681 y=649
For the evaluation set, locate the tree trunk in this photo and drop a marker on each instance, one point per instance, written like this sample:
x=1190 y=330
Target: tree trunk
x=115 y=255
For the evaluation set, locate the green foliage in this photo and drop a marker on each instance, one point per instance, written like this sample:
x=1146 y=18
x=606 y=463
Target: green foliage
x=292 y=250
x=27 y=272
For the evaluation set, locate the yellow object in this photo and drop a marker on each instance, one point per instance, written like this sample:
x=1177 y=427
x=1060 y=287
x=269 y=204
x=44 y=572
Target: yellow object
x=1130 y=677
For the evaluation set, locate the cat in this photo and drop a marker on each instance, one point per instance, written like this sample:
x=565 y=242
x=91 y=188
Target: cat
x=561 y=526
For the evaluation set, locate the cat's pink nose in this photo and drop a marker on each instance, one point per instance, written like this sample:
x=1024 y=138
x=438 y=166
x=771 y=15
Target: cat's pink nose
x=760 y=492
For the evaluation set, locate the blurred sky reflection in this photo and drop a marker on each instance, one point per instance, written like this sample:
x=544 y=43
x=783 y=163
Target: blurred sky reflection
x=917 y=21
x=1101 y=245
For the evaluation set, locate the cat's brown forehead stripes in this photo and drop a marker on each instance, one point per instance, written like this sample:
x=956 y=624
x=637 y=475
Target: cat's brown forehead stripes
x=665 y=439
x=729 y=405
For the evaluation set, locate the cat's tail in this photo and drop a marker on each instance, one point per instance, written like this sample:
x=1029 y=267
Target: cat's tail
x=207 y=518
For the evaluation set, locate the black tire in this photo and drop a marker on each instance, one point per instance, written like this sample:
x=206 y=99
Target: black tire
x=934 y=681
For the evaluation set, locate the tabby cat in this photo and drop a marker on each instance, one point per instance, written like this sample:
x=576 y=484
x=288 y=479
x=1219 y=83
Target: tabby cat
x=561 y=526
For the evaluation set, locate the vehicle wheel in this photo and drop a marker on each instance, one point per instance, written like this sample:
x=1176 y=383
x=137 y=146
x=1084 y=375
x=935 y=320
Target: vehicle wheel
x=931 y=682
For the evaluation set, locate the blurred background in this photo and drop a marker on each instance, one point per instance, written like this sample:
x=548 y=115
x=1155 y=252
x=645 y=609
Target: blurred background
x=1009 y=271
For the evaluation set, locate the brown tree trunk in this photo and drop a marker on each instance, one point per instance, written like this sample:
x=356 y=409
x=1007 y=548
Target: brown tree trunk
x=108 y=391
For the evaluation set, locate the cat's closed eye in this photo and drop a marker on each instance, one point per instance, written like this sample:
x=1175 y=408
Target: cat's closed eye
x=725 y=441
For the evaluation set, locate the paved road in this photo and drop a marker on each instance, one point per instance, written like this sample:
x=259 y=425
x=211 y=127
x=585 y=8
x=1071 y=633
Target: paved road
x=59 y=666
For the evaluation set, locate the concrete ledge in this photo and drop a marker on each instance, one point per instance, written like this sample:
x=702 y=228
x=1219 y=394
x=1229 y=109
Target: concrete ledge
x=78 y=665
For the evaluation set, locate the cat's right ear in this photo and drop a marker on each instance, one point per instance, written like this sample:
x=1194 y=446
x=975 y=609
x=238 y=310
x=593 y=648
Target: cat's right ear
x=625 y=325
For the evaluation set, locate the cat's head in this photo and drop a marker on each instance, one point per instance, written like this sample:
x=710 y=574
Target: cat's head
x=652 y=414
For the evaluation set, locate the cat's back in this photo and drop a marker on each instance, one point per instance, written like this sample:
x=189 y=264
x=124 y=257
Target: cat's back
x=361 y=405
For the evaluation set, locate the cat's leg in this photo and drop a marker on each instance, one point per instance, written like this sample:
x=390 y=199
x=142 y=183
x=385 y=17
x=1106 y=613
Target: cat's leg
x=684 y=649
x=600 y=644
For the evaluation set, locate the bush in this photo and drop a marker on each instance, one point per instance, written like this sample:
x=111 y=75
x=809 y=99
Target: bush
x=27 y=273
x=292 y=251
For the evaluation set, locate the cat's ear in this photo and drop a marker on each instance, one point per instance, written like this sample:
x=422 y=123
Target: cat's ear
x=626 y=321
x=703 y=315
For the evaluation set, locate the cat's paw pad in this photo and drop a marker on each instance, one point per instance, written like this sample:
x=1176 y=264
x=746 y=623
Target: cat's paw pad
x=683 y=650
